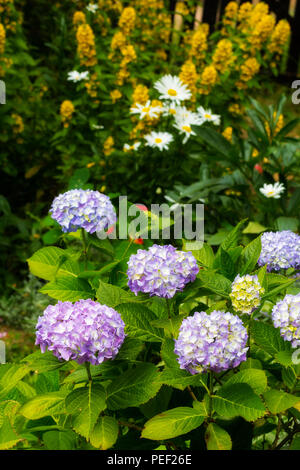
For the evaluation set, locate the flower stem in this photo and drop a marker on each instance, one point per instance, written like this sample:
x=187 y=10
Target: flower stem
x=88 y=371
x=192 y=393
x=211 y=385
x=84 y=242
x=168 y=308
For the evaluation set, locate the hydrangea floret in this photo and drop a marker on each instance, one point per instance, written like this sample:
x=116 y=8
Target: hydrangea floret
x=85 y=331
x=215 y=342
x=161 y=271
x=246 y=293
x=286 y=316
x=87 y=209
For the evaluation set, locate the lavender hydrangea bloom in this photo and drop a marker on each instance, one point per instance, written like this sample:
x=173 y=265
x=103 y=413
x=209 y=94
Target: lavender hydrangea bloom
x=286 y=316
x=79 y=208
x=85 y=331
x=214 y=342
x=161 y=270
x=280 y=250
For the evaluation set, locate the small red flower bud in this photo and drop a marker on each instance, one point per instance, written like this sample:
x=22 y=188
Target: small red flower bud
x=258 y=168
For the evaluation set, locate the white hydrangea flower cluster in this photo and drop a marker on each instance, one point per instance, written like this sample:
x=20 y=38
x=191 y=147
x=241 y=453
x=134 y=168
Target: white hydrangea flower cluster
x=286 y=316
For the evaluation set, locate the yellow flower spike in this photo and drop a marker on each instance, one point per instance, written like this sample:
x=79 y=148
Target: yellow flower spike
x=244 y=11
x=118 y=41
x=227 y=133
x=18 y=127
x=199 y=43
x=115 y=95
x=280 y=37
x=86 y=45
x=208 y=79
x=127 y=20
x=2 y=38
x=230 y=15
x=79 y=18
x=66 y=111
x=108 y=146
x=140 y=94
x=189 y=76
x=261 y=31
x=223 y=56
x=248 y=70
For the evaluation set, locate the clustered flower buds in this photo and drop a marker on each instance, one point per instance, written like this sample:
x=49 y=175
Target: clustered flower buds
x=280 y=250
x=214 y=342
x=87 y=209
x=161 y=270
x=85 y=331
x=245 y=293
x=286 y=316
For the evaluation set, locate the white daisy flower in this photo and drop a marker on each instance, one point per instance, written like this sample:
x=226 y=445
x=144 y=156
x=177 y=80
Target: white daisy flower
x=146 y=110
x=185 y=114
x=160 y=140
x=172 y=88
x=272 y=190
x=171 y=109
x=184 y=121
x=97 y=127
x=207 y=116
x=92 y=7
x=129 y=148
x=75 y=76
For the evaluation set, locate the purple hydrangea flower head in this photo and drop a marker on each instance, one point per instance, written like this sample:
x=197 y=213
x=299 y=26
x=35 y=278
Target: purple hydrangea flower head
x=85 y=331
x=245 y=293
x=161 y=270
x=83 y=208
x=280 y=250
x=286 y=316
x=213 y=342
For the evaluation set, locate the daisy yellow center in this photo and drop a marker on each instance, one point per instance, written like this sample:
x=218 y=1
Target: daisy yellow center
x=158 y=140
x=270 y=193
x=172 y=111
x=207 y=116
x=146 y=109
x=186 y=128
x=172 y=92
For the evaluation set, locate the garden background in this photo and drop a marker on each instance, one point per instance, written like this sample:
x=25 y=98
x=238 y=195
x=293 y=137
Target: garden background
x=81 y=112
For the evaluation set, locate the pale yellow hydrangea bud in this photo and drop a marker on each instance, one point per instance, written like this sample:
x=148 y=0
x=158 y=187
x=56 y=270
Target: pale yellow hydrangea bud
x=246 y=293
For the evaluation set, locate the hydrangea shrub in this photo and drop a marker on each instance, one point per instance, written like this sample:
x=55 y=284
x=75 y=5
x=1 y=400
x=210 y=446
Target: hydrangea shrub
x=145 y=336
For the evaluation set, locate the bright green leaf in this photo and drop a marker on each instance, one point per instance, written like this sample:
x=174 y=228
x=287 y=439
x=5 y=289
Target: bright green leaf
x=46 y=263
x=173 y=423
x=217 y=438
x=105 y=433
x=86 y=403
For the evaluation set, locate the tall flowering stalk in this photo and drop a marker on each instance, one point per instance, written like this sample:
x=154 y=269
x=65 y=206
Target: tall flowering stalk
x=86 y=45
